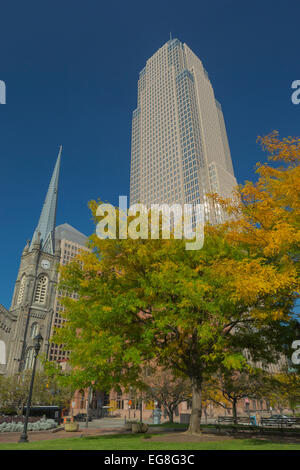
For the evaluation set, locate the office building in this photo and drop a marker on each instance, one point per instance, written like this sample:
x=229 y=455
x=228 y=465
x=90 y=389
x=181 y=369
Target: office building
x=179 y=149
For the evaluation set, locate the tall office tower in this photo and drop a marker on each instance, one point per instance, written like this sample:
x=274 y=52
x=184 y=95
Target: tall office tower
x=71 y=243
x=179 y=150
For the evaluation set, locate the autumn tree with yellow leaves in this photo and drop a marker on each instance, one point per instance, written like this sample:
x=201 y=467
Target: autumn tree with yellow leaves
x=284 y=390
x=227 y=387
x=191 y=311
x=265 y=217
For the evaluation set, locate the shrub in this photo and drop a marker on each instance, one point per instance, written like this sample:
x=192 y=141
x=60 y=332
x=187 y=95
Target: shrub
x=18 y=419
x=40 y=425
x=7 y=411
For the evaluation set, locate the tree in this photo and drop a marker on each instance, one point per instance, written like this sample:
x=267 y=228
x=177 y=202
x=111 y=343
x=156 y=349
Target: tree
x=232 y=386
x=191 y=311
x=212 y=395
x=149 y=299
x=169 y=391
x=285 y=390
x=46 y=391
x=266 y=214
x=14 y=392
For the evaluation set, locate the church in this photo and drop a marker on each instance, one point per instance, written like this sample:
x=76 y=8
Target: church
x=35 y=306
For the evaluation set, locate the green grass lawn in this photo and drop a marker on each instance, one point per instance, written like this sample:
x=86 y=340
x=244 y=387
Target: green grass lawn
x=137 y=442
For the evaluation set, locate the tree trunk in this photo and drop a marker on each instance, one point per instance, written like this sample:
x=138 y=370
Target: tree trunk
x=195 y=421
x=292 y=405
x=205 y=413
x=141 y=409
x=234 y=413
x=170 y=415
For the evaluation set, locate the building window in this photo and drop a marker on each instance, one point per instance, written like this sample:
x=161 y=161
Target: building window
x=120 y=402
x=261 y=404
x=149 y=405
x=41 y=289
x=82 y=400
x=29 y=358
x=21 y=290
x=2 y=353
x=34 y=330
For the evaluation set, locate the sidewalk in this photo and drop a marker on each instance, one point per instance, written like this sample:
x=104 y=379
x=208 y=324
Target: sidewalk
x=95 y=428
x=104 y=423
x=47 y=435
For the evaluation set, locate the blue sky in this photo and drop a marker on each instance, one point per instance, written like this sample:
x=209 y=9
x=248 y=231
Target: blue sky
x=71 y=71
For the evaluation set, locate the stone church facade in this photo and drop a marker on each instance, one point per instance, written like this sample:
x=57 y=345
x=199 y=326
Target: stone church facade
x=7 y=323
x=32 y=304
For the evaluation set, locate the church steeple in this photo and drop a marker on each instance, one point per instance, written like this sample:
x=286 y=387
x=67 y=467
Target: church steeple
x=46 y=226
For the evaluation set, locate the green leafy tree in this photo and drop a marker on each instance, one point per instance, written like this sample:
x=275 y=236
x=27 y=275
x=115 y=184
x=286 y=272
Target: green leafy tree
x=46 y=391
x=151 y=299
x=190 y=311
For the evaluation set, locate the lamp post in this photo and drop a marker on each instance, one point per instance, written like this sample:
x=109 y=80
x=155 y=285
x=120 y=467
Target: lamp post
x=37 y=346
x=141 y=408
x=88 y=401
x=129 y=401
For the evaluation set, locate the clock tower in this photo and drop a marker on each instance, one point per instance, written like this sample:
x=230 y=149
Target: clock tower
x=34 y=294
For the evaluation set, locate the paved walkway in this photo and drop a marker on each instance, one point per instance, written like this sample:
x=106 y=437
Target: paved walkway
x=104 y=423
x=95 y=428
x=46 y=435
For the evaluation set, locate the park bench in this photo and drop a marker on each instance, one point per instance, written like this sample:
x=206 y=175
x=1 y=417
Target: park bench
x=240 y=423
x=280 y=422
x=270 y=425
x=232 y=420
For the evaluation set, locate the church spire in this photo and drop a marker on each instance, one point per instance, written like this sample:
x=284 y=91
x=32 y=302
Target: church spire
x=46 y=225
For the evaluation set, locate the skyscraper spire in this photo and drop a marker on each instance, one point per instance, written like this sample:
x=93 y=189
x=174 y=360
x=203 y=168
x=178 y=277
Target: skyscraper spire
x=46 y=225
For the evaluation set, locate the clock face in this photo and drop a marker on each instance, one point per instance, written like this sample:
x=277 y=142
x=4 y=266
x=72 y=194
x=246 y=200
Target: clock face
x=45 y=264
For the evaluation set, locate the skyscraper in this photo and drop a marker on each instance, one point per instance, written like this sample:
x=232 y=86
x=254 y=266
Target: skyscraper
x=179 y=148
x=71 y=243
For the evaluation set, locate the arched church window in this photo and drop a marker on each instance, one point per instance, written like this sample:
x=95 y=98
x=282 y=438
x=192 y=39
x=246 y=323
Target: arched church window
x=2 y=353
x=21 y=290
x=41 y=289
x=34 y=330
x=29 y=358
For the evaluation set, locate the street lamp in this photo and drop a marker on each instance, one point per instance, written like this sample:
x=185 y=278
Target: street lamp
x=37 y=346
x=88 y=401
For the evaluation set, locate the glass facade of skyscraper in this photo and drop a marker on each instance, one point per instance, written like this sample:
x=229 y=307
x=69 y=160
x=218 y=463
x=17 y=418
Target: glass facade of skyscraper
x=179 y=150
